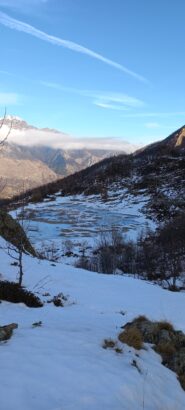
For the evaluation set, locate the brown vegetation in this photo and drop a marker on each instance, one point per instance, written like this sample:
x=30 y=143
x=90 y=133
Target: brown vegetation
x=167 y=341
x=132 y=337
x=12 y=292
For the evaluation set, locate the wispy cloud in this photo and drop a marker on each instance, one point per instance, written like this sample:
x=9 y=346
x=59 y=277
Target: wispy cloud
x=28 y=29
x=107 y=106
x=152 y=125
x=118 y=101
x=4 y=72
x=7 y=99
x=106 y=100
x=155 y=114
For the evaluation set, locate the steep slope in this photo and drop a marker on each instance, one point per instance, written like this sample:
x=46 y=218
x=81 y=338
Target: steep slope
x=60 y=364
x=18 y=176
x=12 y=231
x=61 y=161
x=175 y=142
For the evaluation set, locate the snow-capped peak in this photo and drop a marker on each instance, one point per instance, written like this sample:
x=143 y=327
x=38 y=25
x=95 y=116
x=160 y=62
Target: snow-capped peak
x=11 y=118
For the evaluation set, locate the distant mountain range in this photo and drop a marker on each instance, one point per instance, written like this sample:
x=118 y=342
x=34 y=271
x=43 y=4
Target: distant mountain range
x=31 y=160
x=62 y=162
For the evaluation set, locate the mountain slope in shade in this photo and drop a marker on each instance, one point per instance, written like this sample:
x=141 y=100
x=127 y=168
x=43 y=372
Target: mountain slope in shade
x=62 y=162
x=157 y=172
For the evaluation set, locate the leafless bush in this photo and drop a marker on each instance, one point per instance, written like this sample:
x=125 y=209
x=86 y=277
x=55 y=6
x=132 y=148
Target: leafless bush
x=50 y=251
x=68 y=246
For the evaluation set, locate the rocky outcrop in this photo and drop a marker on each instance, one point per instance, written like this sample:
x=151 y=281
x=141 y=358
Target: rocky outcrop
x=13 y=232
x=7 y=331
x=167 y=341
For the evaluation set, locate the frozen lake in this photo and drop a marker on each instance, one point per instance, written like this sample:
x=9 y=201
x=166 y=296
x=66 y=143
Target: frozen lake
x=81 y=218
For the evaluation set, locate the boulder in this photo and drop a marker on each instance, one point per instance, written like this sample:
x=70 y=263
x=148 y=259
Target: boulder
x=7 y=331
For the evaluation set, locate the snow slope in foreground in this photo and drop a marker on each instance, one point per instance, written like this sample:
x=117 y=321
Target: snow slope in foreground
x=62 y=365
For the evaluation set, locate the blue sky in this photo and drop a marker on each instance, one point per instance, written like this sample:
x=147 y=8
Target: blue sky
x=101 y=68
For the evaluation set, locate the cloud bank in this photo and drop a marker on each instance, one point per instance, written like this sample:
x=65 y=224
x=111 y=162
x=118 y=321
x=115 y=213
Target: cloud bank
x=18 y=25
x=31 y=137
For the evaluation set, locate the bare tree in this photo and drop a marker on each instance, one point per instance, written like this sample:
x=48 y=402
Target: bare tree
x=17 y=251
x=18 y=243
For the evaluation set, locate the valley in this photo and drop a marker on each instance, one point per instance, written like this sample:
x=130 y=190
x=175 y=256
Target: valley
x=92 y=205
x=97 y=237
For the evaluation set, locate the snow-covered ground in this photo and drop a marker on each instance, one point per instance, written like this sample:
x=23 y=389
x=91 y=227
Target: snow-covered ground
x=62 y=365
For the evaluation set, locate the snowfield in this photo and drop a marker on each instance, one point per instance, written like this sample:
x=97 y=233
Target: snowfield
x=62 y=365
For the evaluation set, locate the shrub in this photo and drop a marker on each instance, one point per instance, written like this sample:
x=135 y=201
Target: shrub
x=50 y=252
x=132 y=337
x=37 y=196
x=58 y=300
x=12 y=292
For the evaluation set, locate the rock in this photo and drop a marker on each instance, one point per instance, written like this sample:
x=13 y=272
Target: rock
x=153 y=332
x=179 y=339
x=167 y=341
x=13 y=232
x=7 y=331
x=177 y=362
x=148 y=329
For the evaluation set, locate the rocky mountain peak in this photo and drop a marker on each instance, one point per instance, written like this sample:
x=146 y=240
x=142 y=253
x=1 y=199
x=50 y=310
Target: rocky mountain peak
x=180 y=141
x=15 y=122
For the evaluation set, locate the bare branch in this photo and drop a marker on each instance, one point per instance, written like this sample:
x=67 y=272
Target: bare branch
x=2 y=142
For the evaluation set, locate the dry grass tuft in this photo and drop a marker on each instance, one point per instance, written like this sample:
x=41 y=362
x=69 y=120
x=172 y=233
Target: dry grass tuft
x=166 y=350
x=164 y=325
x=140 y=318
x=132 y=337
x=109 y=344
x=118 y=350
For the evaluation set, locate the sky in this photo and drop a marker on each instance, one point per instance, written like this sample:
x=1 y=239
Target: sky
x=111 y=69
